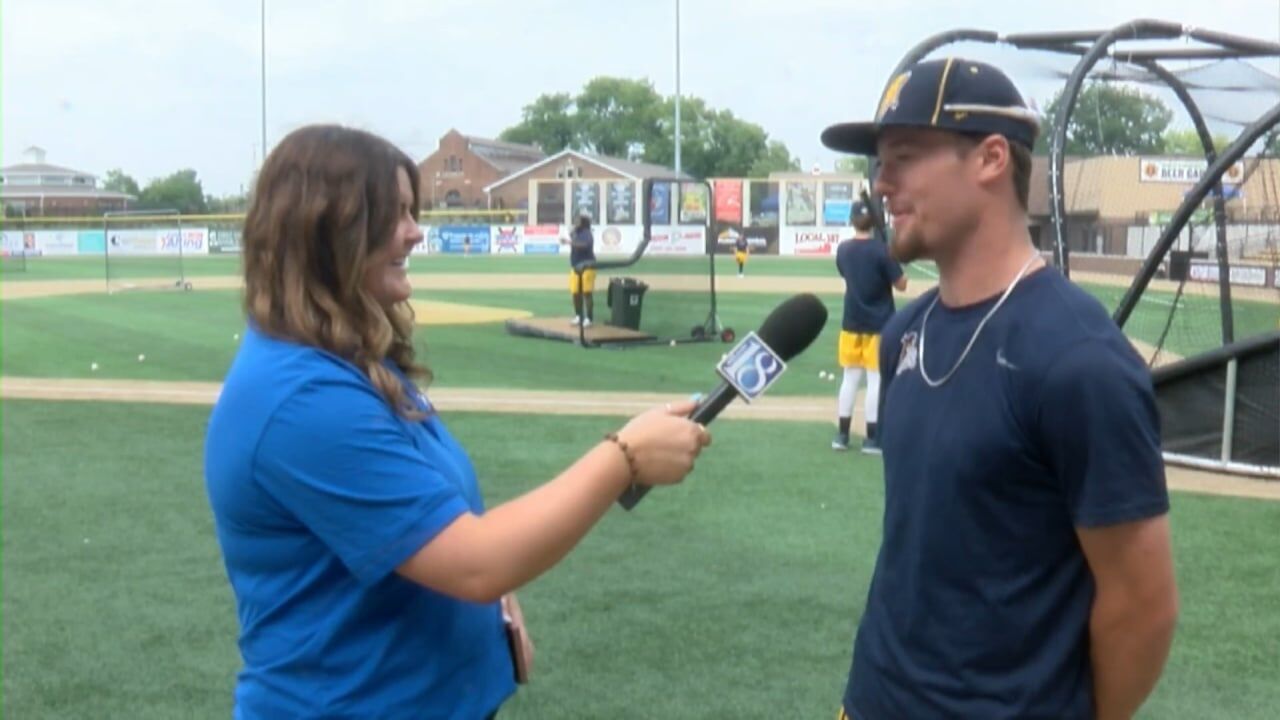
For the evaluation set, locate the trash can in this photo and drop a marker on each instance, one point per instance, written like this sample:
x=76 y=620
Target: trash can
x=625 y=298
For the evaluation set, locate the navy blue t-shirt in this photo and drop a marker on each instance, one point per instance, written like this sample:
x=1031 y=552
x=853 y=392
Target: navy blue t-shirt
x=869 y=274
x=581 y=246
x=979 y=605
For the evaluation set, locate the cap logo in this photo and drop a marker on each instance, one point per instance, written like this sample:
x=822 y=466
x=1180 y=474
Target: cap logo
x=891 y=93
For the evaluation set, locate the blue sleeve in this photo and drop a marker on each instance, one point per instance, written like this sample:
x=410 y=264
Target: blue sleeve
x=1100 y=433
x=842 y=257
x=892 y=270
x=336 y=457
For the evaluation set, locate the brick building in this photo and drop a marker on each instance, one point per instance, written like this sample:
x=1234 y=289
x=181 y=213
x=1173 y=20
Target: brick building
x=552 y=178
x=36 y=188
x=454 y=176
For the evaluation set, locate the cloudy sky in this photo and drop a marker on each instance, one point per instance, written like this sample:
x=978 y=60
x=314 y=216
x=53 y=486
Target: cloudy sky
x=152 y=86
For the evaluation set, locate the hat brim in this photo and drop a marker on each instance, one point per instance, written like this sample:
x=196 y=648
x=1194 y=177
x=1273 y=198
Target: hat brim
x=858 y=138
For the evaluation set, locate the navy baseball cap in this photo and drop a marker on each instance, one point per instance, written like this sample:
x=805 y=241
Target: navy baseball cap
x=953 y=94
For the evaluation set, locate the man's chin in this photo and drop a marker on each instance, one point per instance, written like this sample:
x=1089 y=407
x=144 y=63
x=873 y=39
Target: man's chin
x=905 y=252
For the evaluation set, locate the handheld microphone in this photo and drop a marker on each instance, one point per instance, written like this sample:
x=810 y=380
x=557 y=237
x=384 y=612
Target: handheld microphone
x=755 y=363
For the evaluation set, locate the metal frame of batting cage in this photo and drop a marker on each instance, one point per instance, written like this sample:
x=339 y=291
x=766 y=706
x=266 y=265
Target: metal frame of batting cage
x=1091 y=46
x=159 y=214
x=711 y=328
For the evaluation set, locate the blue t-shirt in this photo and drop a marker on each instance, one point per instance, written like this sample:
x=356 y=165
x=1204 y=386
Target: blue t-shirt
x=319 y=491
x=869 y=274
x=979 y=604
x=582 y=246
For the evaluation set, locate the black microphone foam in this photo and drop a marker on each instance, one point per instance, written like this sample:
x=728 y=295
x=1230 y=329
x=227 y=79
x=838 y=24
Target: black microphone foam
x=789 y=329
x=793 y=325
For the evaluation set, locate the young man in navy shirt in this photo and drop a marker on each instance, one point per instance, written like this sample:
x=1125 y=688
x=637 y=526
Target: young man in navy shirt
x=870 y=276
x=1025 y=569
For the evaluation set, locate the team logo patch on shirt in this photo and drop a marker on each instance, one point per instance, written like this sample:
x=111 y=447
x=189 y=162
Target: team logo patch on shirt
x=908 y=353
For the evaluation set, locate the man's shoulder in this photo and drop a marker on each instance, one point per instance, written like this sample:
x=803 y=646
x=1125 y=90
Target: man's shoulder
x=1061 y=319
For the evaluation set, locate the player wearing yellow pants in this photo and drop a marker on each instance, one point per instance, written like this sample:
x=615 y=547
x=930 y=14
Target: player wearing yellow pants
x=741 y=248
x=582 y=287
x=870 y=276
x=860 y=350
x=586 y=280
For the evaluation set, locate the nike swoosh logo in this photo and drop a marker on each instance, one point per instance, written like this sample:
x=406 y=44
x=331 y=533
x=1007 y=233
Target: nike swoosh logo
x=1003 y=362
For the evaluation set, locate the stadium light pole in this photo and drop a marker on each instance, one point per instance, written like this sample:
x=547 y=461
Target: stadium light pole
x=677 y=88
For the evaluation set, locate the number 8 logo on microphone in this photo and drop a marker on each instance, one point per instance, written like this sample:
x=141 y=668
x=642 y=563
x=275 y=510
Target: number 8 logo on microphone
x=751 y=367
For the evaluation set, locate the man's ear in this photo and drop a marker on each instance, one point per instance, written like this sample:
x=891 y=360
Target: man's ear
x=994 y=160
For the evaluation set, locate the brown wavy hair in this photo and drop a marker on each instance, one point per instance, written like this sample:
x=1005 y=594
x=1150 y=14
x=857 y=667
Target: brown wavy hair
x=326 y=198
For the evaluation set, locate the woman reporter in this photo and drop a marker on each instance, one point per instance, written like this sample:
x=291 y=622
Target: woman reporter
x=369 y=578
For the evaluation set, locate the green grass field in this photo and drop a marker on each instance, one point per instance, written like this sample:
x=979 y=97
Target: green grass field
x=734 y=595
x=189 y=336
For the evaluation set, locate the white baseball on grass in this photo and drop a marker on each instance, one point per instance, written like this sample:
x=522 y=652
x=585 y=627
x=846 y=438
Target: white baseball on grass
x=236 y=336
x=141 y=358
x=673 y=343
x=93 y=366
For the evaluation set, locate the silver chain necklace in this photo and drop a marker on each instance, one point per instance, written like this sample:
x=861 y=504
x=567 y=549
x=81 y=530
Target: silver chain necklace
x=925 y=323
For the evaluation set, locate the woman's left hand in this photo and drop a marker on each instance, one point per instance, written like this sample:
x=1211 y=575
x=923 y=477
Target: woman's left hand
x=522 y=650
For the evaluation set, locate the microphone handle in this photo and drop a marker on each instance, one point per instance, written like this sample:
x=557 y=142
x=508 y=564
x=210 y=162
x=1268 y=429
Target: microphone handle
x=704 y=413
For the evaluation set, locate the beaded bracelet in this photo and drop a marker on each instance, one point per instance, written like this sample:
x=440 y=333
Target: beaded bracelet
x=626 y=452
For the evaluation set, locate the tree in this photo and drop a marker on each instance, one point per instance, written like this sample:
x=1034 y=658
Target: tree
x=853 y=165
x=627 y=118
x=616 y=116
x=1187 y=142
x=117 y=181
x=1271 y=142
x=547 y=123
x=180 y=191
x=227 y=204
x=776 y=158
x=1111 y=120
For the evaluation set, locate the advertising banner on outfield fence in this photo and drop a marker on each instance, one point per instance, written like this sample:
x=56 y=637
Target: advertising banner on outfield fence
x=459 y=239
x=91 y=242
x=131 y=242
x=424 y=247
x=542 y=239
x=586 y=199
x=224 y=241
x=1183 y=172
x=693 y=203
x=660 y=204
x=506 y=239
x=1243 y=275
x=677 y=241
x=618 y=239
x=188 y=241
x=837 y=203
x=726 y=240
x=11 y=242
x=812 y=241
x=622 y=203
x=158 y=241
x=728 y=200
x=802 y=203
x=41 y=242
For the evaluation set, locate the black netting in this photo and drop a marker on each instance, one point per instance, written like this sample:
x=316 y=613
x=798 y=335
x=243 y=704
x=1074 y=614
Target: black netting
x=1257 y=424
x=1191 y=410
